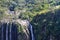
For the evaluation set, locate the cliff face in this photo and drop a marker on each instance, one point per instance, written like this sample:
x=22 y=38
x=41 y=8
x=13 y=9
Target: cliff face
x=14 y=30
x=47 y=26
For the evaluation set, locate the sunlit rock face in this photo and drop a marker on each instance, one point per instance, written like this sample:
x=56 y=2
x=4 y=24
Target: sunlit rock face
x=24 y=30
x=12 y=30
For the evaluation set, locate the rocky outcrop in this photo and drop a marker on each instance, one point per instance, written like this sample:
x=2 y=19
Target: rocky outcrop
x=24 y=34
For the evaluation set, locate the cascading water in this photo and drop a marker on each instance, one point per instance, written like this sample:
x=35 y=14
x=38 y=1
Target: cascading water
x=10 y=31
x=31 y=30
x=7 y=32
x=2 y=31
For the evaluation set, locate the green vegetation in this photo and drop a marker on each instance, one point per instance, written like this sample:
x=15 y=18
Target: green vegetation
x=46 y=26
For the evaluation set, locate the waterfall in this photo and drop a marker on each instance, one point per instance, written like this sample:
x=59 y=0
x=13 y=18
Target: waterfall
x=7 y=31
x=2 y=30
x=31 y=30
x=10 y=31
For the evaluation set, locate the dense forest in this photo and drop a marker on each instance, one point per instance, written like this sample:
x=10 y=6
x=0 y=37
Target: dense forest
x=43 y=15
